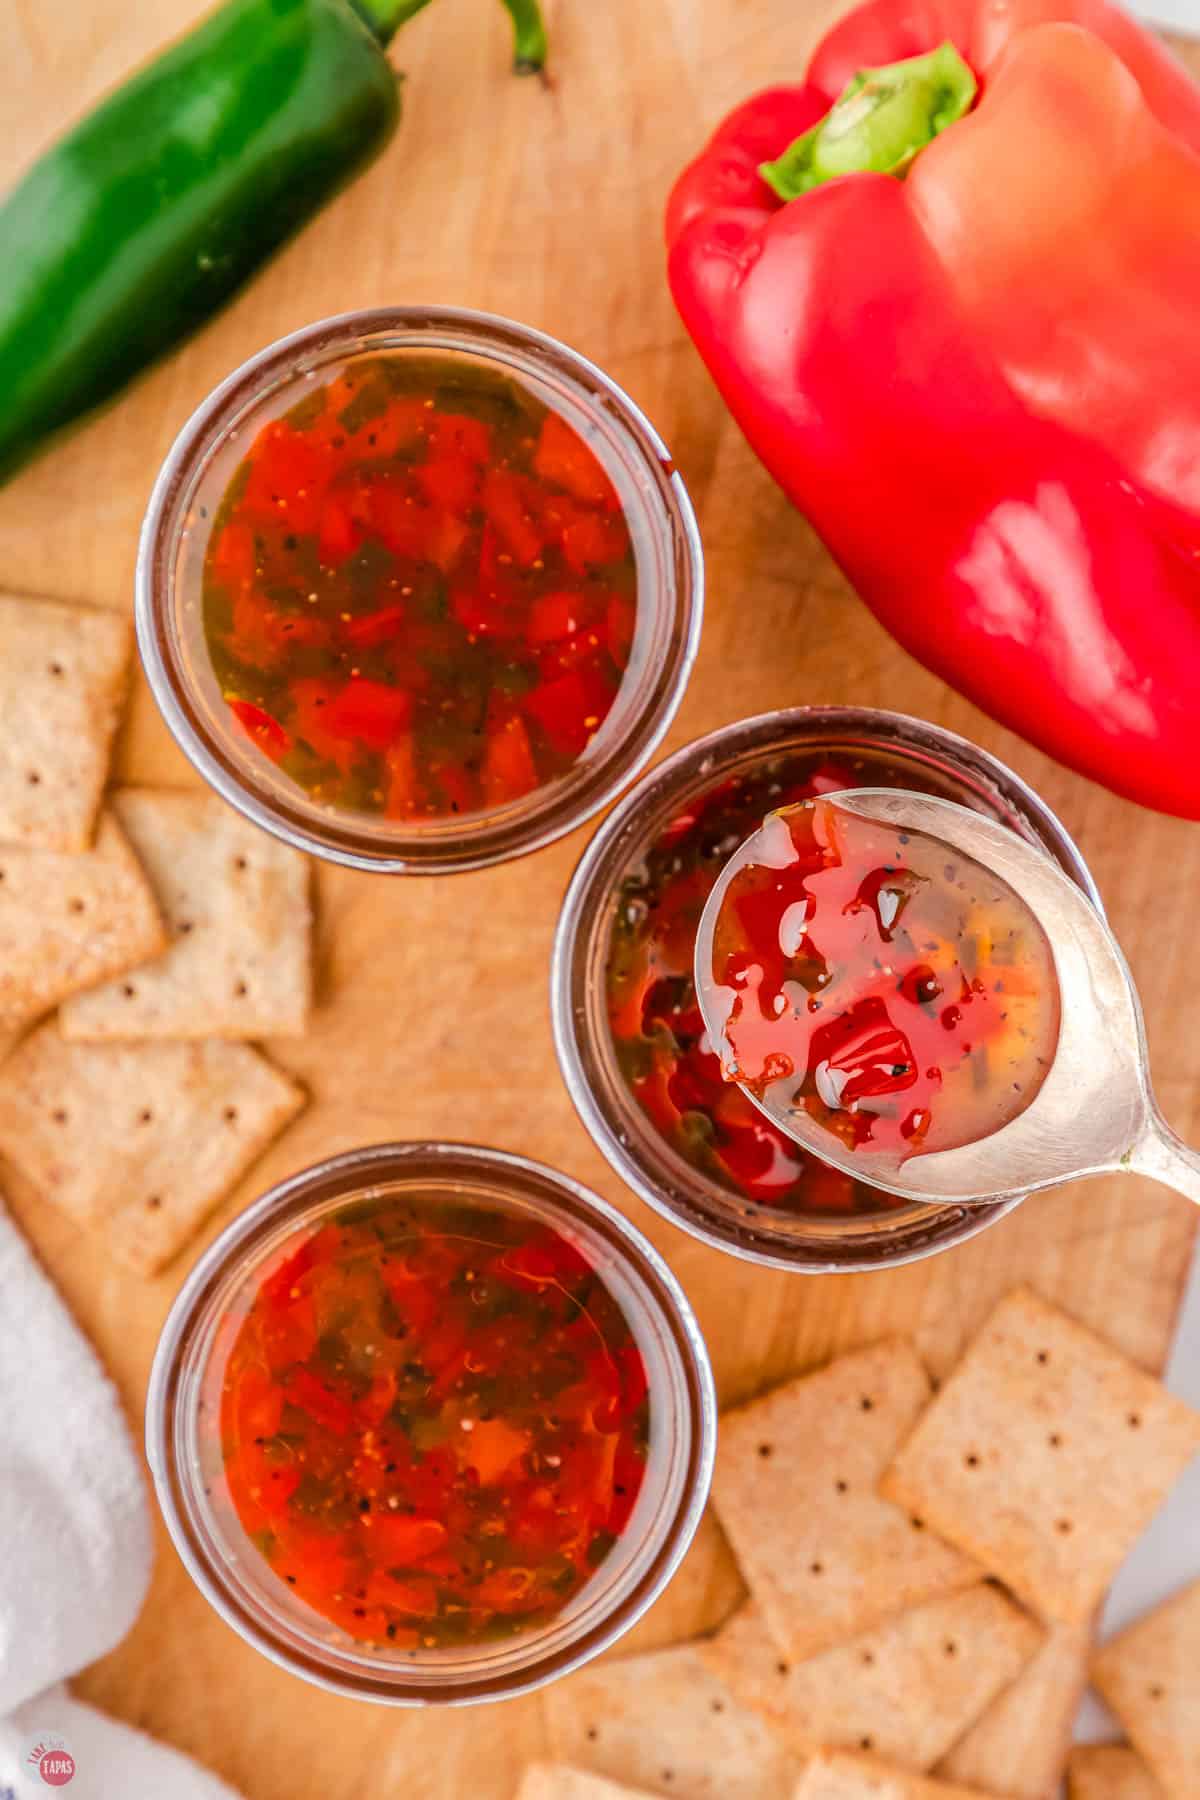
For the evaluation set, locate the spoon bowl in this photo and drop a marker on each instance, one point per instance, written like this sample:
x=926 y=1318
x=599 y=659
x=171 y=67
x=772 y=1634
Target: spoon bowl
x=1094 y=1112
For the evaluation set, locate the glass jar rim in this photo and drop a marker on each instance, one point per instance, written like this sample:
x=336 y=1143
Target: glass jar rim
x=171 y=1416
x=638 y=720
x=676 y=1194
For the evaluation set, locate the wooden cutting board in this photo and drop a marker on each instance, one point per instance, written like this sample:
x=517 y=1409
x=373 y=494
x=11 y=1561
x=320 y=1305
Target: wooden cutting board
x=542 y=200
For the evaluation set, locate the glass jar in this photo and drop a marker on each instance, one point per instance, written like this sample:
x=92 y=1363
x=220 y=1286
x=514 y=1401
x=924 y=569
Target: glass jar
x=188 y=492
x=686 y=1191
x=184 y=1451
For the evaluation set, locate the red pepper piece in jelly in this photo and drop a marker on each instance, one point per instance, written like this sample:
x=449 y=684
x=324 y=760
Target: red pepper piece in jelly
x=554 y=617
x=509 y=769
x=591 y=541
x=452 y=482
x=370 y=713
x=287 y=479
x=259 y=726
x=458 y=436
x=508 y=503
x=375 y=628
x=857 y=1056
x=339 y=533
x=570 y=709
x=563 y=459
x=312 y=700
x=319 y=1401
x=231 y=560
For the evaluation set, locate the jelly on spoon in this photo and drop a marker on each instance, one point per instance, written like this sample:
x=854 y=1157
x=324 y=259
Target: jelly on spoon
x=920 y=997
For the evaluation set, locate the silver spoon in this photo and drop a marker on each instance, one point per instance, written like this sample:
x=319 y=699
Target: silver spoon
x=1094 y=1113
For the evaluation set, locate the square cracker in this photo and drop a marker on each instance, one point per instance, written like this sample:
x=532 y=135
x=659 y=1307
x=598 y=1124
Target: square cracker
x=139 y=1141
x=837 y=1776
x=795 y=1489
x=665 y=1723
x=555 y=1781
x=62 y=682
x=237 y=903
x=1045 y=1455
x=904 y=1691
x=1110 y=1772
x=68 y=922
x=1019 y=1745
x=1150 y=1676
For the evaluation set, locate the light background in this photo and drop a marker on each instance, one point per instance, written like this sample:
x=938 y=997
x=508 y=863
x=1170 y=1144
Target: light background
x=1181 y=15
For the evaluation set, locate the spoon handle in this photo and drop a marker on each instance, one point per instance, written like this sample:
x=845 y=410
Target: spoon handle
x=1166 y=1158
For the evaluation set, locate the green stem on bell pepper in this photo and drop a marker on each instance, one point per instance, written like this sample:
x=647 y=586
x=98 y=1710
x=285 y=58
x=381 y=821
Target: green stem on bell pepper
x=879 y=122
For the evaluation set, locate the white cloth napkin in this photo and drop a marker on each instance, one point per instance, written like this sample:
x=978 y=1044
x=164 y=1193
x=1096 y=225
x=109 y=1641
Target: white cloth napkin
x=111 y=1761
x=75 y=1553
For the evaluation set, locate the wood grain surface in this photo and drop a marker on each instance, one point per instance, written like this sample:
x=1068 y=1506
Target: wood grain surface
x=542 y=200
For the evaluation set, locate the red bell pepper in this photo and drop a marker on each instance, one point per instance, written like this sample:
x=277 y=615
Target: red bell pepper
x=981 y=382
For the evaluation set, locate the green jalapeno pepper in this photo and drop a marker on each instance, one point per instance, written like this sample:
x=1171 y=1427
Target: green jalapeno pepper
x=138 y=224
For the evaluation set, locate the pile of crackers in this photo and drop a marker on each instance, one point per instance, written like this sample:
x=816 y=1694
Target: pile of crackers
x=923 y=1571
x=145 y=936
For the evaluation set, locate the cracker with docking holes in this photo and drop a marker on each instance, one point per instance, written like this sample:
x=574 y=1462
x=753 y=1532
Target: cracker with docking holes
x=237 y=906
x=796 y=1490
x=139 y=1141
x=906 y=1690
x=69 y=922
x=1044 y=1456
x=63 y=674
x=665 y=1723
x=1019 y=1745
x=1150 y=1676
